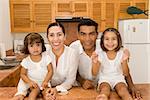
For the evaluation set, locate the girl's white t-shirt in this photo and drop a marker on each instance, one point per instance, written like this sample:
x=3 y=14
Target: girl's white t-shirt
x=37 y=70
x=110 y=68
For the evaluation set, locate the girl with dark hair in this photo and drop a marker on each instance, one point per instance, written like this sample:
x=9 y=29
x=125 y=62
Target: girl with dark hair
x=36 y=70
x=112 y=64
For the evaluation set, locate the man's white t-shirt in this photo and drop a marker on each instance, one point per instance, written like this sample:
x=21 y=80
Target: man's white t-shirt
x=85 y=62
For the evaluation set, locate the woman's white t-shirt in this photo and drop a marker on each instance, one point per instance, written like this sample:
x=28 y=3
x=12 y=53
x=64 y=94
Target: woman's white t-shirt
x=65 y=71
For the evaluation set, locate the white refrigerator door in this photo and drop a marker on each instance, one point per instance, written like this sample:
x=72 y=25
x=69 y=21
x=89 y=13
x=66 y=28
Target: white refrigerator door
x=135 y=30
x=139 y=62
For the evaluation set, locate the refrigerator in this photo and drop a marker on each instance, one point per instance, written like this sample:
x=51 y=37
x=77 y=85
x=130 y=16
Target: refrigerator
x=135 y=34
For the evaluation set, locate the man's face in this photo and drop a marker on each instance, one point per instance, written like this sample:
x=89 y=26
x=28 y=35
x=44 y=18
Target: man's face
x=87 y=36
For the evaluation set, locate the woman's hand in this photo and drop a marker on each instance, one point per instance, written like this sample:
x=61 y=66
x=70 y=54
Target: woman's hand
x=51 y=94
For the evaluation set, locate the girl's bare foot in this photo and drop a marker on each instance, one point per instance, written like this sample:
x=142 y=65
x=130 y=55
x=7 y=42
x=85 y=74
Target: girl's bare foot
x=18 y=97
x=101 y=97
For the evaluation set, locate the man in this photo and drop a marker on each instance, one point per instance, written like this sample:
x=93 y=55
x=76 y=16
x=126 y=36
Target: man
x=86 y=45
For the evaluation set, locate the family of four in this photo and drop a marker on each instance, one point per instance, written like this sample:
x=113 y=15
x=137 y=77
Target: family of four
x=88 y=62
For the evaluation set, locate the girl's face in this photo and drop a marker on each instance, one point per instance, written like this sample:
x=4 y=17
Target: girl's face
x=35 y=48
x=56 y=37
x=110 y=41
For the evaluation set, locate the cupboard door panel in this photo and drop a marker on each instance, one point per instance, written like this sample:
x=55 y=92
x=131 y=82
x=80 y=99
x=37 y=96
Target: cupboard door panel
x=21 y=17
x=110 y=15
x=63 y=9
x=143 y=6
x=42 y=15
x=80 y=9
x=96 y=13
x=123 y=11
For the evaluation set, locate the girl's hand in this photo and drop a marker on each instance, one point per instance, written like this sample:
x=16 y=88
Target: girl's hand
x=51 y=94
x=33 y=84
x=44 y=85
x=94 y=57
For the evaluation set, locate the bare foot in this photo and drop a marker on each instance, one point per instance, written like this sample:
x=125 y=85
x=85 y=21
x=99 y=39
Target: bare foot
x=18 y=97
x=102 y=97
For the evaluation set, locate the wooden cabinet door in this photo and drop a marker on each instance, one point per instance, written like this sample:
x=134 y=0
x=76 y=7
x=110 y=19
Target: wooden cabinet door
x=21 y=17
x=143 y=5
x=72 y=8
x=96 y=13
x=111 y=14
x=104 y=13
x=42 y=15
x=80 y=8
x=63 y=8
x=123 y=5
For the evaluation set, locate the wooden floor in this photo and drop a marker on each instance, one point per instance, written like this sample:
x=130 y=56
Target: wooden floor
x=77 y=93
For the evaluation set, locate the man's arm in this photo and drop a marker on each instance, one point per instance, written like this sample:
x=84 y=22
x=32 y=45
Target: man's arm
x=86 y=84
x=135 y=93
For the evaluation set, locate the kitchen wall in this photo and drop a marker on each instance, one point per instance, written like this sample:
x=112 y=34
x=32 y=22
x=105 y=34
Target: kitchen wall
x=5 y=34
x=20 y=36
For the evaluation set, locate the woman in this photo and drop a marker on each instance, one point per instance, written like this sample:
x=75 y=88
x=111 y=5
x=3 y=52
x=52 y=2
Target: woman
x=64 y=61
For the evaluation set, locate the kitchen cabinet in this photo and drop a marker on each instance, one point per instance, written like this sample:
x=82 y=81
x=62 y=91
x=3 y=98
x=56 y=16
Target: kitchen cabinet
x=124 y=4
x=72 y=8
x=96 y=13
x=142 y=4
x=107 y=12
x=35 y=15
x=30 y=16
x=104 y=13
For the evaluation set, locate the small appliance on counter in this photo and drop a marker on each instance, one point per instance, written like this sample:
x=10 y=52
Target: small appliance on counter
x=7 y=61
x=2 y=50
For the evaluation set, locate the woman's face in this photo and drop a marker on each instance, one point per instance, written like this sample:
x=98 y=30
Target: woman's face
x=56 y=37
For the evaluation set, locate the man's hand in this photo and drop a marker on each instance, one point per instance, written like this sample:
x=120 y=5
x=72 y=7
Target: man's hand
x=87 y=84
x=136 y=94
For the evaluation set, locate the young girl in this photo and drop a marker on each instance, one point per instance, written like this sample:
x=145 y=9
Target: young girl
x=113 y=65
x=36 y=70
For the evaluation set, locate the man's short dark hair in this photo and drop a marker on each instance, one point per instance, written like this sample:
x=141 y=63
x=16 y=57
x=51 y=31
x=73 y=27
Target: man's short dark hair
x=87 y=22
